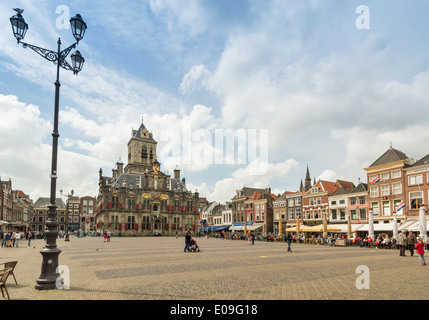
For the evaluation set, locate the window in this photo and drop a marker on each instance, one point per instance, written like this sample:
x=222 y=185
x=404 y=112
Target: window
x=342 y=214
x=375 y=208
x=115 y=202
x=298 y=212
x=333 y=202
x=372 y=178
x=396 y=204
x=353 y=201
x=385 y=176
x=131 y=203
x=319 y=200
x=373 y=192
x=416 y=199
x=316 y=214
x=290 y=203
x=386 y=208
x=145 y=225
x=362 y=214
x=414 y=180
x=297 y=202
x=315 y=190
x=396 y=174
x=397 y=188
x=342 y=201
x=291 y=212
x=311 y=202
x=353 y=214
x=385 y=190
x=362 y=200
x=334 y=214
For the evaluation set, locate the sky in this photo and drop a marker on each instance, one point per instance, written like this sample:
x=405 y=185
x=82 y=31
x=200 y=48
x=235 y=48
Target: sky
x=237 y=93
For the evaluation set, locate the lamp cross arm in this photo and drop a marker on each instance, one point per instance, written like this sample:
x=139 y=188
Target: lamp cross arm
x=65 y=52
x=45 y=53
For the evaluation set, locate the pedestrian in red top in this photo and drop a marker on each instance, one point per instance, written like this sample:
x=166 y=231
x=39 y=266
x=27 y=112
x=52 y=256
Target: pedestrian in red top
x=421 y=251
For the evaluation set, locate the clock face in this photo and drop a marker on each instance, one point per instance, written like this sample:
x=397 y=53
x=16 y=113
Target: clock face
x=144 y=134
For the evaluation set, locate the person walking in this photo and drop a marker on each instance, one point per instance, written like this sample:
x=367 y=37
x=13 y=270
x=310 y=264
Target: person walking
x=288 y=239
x=17 y=237
x=8 y=238
x=187 y=242
x=3 y=239
x=29 y=235
x=411 y=240
x=402 y=243
x=109 y=234
x=420 y=247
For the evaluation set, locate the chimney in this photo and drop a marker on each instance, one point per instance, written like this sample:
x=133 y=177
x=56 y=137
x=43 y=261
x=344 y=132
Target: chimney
x=177 y=174
x=120 y=166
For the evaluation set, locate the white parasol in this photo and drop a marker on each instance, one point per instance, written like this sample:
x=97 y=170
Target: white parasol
x=371 y=225
x=422 y=223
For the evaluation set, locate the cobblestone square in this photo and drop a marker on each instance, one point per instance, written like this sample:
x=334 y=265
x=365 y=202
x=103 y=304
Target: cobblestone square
x=158 y=269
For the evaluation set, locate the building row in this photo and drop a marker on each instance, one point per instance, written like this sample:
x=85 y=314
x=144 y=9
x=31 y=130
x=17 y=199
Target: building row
x=18 y=211
x=396 y=186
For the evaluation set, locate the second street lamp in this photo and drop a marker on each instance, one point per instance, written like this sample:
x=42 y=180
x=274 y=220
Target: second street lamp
x=49 y=275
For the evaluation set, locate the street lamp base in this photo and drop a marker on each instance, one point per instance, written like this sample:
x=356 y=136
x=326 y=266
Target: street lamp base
x=49 y=276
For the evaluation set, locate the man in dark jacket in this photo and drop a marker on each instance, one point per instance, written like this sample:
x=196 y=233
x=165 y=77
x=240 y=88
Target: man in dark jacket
x=411 y=242
x=288 y=239
x=187 y=242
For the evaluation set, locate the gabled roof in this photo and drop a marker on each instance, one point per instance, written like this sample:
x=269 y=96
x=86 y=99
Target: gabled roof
x=247 y=192
x=340 y=191
x=142 y=133
x=422 y=161
x=362 y=187
x=325 y=186
x=349 y=186
x=44 y=202
x=391 y=155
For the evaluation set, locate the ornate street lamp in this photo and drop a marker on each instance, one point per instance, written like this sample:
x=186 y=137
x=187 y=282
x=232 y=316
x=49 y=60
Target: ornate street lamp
x=50 y=252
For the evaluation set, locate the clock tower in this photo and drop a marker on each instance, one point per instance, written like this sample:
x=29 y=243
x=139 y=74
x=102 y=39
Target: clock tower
x=141 y=151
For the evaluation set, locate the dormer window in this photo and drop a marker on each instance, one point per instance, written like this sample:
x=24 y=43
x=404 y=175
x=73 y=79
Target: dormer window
x=315 y=189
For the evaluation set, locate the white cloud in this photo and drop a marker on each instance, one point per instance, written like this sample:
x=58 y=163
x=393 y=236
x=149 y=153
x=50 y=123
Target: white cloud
x=194 y=80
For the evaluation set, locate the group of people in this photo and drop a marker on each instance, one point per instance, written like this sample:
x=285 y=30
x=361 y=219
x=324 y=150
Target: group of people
x=410 y=242
x=11 y=239
x=106 y=235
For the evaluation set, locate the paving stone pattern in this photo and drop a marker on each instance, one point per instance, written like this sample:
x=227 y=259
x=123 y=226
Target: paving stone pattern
x=158 y=269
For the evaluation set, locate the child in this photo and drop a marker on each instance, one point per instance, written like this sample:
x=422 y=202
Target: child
x=421 y=251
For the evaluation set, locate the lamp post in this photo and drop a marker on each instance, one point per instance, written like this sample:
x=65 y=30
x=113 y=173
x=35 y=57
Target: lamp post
x=50 y=252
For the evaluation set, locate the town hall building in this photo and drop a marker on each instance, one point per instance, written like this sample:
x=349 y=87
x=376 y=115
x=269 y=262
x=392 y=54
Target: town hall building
x=140 y=200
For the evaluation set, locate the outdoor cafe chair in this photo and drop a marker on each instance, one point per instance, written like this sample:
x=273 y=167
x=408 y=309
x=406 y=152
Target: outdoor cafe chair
x=4 y=273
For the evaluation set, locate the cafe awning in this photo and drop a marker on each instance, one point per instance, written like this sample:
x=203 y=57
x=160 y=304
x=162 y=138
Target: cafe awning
x=319 y=228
